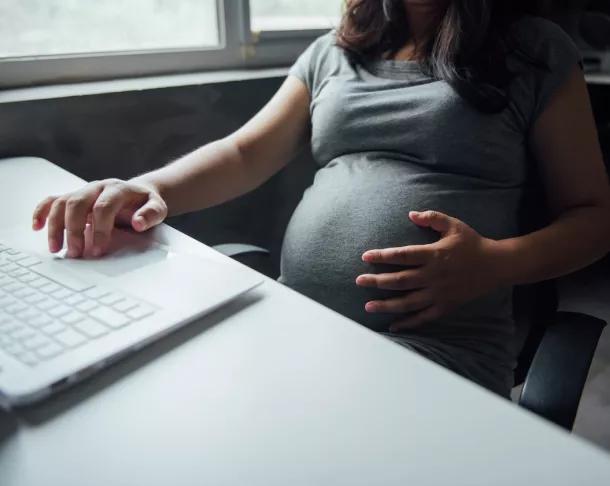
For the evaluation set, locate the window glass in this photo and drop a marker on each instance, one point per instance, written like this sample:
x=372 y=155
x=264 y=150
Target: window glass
x=52 y=27
x=294 y=15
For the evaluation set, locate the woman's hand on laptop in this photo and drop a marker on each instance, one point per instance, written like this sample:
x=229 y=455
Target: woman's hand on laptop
x=103 y=204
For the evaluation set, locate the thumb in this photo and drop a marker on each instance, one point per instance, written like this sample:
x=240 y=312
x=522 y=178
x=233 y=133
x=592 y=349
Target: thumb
x=432 y=219
x=150 y=214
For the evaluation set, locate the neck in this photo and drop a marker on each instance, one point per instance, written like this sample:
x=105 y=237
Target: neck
x=423 y=16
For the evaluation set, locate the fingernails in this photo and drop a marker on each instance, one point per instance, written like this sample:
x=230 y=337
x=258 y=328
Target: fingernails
x=140 y=222
x=35 y=223
x=54 y=245
x=370 y=307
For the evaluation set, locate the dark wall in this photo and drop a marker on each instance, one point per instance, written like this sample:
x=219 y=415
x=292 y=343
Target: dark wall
x=123 y=134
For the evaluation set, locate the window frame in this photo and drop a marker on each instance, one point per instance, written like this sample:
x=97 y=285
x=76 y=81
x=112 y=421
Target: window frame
x=238 y=48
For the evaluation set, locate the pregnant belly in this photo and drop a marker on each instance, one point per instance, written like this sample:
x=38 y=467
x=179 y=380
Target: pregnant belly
x=355 y=206
x=343 y=214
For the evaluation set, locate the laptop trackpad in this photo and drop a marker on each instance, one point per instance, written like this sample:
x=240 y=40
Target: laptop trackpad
x=127 y=252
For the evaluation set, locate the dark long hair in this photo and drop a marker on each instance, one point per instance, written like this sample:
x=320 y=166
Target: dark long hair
x=468 y=49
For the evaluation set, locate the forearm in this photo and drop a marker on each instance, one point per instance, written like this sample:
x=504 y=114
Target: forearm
x=208 y=176
x=574 y=240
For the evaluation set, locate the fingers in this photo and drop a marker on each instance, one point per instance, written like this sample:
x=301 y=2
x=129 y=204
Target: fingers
x=105 y=209
x=436 y=220
x=150 y=214
x=405 y=280
x=78 y=207
x=56 y=225
x=418 y=319
x=413 y=301
x=404 y=255
x=41 y=213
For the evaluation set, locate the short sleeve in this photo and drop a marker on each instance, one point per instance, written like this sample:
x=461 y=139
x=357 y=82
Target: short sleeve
x=314 y=64
x=547 y=55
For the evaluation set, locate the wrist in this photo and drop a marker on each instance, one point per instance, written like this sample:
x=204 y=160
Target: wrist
x=151 y=182
x=501 y=262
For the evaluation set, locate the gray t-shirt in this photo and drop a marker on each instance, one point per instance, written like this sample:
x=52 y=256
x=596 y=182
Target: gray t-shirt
x=389 y=139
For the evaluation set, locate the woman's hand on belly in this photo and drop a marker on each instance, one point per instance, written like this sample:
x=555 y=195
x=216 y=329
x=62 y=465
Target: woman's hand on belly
x=443 y=275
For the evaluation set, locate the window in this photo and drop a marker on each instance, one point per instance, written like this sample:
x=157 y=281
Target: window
x=55 y=41
x=57 y=27
x=270 y=15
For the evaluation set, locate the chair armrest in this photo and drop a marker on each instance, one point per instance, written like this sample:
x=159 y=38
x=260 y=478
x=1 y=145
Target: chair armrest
x=557 y=376
x=255 y=257
x=237 y=249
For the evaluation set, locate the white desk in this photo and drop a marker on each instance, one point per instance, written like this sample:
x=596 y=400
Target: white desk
x=274 y=390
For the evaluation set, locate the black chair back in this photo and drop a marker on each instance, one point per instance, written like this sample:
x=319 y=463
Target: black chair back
x=534 y=305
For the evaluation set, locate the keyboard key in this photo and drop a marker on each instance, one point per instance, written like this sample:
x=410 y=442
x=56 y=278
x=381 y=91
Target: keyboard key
x=140 y=311
x=28 y=261
x=91 y=328
x=35 y=298
x=72 y=317
x=10 y=326
x=12 y=251
x=9 y=267
x=109 y=317
x=15 y=308
x=19 y=272
x=62 y=294
x=70 y=338
x=36 y=341
x=59 y=311
x=125 y=304
x=49 y=351
x=28 y=314
x=13 y=257
x=39 y=282
x=28 y=358
x=87 y=305
x=5 y=339
x=14 y=287
x=28 y=277
x=41 y=320
x=111 y=298
x=47 y=304
x=74 y=299
x=14 y=348
x=53 y=328
x=22 y=333
x=55 y=272
x=6 y=301
x=50 y=288
x=97 y=292
x=24 y=292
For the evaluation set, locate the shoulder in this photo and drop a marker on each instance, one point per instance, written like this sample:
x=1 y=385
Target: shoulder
x=541 y=56
x=321 y=58
x=542 y=41
x=324 y=47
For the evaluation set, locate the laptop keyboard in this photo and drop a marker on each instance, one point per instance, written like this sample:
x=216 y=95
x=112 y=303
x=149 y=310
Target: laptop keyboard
x=45 y=312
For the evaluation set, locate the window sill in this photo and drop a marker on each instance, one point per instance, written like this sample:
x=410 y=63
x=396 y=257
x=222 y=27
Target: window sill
x=136 y=84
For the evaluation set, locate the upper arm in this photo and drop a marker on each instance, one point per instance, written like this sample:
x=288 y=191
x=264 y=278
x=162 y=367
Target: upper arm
x=270 y=139
x=564 y=142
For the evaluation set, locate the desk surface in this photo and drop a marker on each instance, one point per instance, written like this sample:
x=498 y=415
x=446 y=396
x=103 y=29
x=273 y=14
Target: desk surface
x=273 y=389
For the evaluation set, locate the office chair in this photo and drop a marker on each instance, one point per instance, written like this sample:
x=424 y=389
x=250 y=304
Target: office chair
x=557 y=348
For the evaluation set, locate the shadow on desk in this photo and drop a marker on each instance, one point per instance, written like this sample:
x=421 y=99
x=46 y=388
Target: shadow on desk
x=62 y=401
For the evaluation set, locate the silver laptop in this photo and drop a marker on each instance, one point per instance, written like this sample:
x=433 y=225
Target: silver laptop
x=62 y=319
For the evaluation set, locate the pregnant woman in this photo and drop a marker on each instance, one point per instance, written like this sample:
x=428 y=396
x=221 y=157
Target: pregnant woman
x=424 y=117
